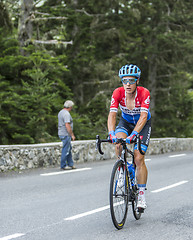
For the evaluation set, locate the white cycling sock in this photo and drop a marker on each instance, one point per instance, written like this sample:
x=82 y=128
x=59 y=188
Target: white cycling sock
x=141 y=191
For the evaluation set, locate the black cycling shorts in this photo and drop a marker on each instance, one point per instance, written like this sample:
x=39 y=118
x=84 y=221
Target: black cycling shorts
x=127 y=128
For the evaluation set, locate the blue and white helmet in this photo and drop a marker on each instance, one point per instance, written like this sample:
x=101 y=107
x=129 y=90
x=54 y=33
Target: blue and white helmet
x=130 y=70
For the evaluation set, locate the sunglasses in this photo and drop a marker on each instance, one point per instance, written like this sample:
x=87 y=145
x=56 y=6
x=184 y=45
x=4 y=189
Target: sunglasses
x=128 y=80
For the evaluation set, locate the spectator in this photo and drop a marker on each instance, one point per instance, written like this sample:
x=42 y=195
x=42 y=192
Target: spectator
x=65 y=133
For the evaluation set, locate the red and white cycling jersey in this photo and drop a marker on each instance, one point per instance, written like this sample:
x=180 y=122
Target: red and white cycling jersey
x=142 y=101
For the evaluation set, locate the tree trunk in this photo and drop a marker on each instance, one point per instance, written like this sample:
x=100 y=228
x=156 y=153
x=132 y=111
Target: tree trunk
x=152 y=75
x=5 y=21
x=25 y=25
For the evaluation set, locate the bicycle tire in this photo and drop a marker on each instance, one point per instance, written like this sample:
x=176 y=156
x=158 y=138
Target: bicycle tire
x=118 y=196
x=134 y=199
x=136 y=213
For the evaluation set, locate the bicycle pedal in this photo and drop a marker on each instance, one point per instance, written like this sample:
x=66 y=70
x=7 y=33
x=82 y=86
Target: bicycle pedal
x=141 y=210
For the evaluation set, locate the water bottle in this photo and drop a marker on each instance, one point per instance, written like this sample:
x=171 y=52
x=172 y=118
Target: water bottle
x=131 y=169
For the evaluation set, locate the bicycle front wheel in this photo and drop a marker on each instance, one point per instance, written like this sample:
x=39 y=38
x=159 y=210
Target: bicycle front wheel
x=119 y=194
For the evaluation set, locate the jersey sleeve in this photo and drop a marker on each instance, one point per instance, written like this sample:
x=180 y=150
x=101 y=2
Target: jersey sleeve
x=115 y=101
x=145 y=101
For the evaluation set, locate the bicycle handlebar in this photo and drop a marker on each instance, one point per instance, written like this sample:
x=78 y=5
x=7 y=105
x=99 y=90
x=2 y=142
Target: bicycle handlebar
x=119 y=140
x=98 y=143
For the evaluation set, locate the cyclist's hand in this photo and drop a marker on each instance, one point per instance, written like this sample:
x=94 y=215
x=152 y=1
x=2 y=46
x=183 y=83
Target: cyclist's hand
x=132 y=137
x=112 y=136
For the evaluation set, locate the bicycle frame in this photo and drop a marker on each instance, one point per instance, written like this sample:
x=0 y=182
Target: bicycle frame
x=123 y=157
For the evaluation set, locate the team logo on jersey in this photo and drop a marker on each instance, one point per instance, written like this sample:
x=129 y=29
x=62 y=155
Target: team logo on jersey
x=112 y=101
x=147 y=101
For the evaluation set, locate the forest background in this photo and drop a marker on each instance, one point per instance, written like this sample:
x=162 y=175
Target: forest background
x=54 y=50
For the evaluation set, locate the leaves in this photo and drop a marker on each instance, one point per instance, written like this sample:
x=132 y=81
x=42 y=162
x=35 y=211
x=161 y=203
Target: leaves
x=31 y=95
x=155 y=35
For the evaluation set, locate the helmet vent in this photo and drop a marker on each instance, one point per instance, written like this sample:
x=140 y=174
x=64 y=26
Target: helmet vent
x=130 y=70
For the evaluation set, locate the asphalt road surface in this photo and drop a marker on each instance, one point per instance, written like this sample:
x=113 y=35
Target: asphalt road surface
x=52 y=204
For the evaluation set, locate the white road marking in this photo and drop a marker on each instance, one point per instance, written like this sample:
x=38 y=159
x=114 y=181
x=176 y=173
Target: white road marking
x=87 y=213
x=65 y=171
x=170 y=186
x=179 y=155
x=16 y=235
x=148 y=159
x=92 y=212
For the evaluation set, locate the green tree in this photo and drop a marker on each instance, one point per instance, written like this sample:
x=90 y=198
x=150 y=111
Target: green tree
x=92 y=40
x=33 y=89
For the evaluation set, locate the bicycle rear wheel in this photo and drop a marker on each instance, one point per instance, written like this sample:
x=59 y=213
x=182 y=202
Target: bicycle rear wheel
x=119 y=195
x=136 y=213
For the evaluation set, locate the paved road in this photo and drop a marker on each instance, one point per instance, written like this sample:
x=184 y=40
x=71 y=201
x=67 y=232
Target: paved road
x=73 y=205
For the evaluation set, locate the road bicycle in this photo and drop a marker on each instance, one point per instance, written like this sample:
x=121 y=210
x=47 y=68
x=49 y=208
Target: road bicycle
x=123 y=185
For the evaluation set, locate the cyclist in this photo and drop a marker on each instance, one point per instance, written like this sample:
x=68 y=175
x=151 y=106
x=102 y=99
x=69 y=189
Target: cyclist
x=133 y=101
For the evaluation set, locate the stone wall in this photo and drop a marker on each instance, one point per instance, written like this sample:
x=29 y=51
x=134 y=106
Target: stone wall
x=20 y=157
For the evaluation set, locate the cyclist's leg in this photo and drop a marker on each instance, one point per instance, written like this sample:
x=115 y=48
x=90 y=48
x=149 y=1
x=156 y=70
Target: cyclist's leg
x=141 y=175
x=122 y=131
x=142 y=172
x=141 y=167
x=139 y=158
x=118 y=147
